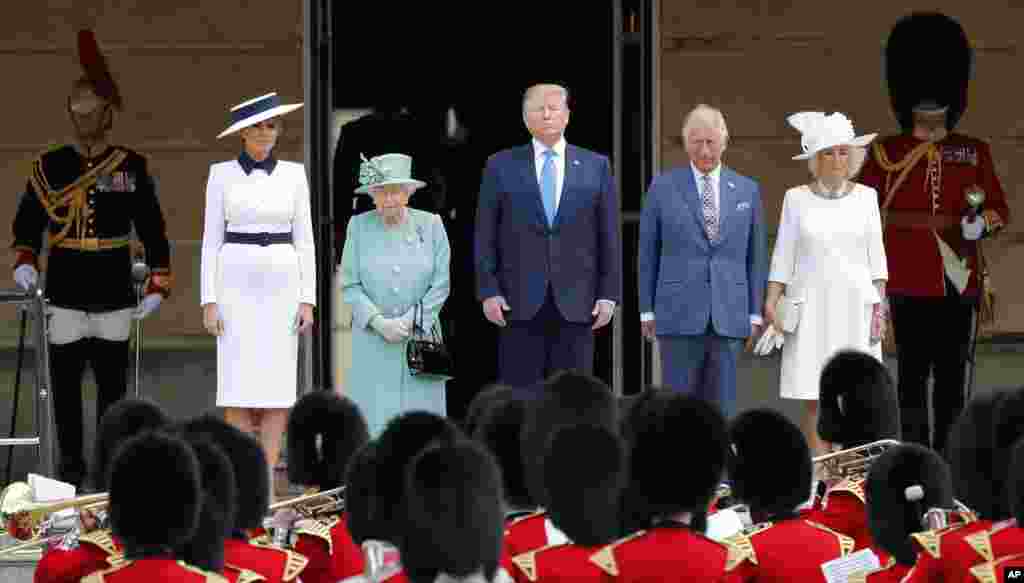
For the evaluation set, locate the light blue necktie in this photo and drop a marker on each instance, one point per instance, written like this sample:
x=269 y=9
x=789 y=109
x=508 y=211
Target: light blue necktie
x=547 y=185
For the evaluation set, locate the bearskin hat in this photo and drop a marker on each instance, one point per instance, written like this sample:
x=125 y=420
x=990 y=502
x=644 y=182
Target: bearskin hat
x=154 y=458
x=94 y=65
x=455 y=520
x=586 y=471
x=657 y=488
x=870 y=407
x=1009 y=427
x=970 y=454
x=361 y=495
x=499 y=429
x=1015 y=483
x=248 y=463
x=894 y=511
x=402 y=438
x=491 y=396
x=928 y=59
x=568 y=398
x=124 y=419
x=217 y=512
x=771 y=464
x=324 y=432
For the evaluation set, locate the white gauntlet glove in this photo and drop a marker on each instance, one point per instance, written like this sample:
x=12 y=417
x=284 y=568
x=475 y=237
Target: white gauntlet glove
x=392 y=329
x=769 y=341
x=26 y=276
x=973 y=231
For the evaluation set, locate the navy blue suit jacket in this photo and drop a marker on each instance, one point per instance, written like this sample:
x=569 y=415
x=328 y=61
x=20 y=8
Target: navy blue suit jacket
x=518 y=255
x=689 y=281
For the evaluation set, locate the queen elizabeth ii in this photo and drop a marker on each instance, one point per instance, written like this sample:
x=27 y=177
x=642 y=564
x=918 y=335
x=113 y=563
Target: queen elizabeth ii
x=394 y=271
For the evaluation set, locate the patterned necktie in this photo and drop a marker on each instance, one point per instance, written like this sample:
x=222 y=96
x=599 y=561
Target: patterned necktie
x=707 y=198
x=547 y=185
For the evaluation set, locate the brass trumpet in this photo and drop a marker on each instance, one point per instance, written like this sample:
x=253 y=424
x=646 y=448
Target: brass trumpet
x=853 y=462
x=23 y=517
x=314 y=504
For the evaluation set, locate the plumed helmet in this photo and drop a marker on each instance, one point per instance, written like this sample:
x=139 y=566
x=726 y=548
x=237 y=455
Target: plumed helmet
x=324 y=432
x=94 y=65
x=904 y=483
x=857 y=402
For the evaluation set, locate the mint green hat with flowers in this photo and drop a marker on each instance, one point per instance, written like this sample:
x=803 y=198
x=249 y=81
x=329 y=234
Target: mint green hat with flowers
x=385 y=170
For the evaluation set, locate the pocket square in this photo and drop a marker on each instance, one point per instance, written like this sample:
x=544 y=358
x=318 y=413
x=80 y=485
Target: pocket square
x=743 y=206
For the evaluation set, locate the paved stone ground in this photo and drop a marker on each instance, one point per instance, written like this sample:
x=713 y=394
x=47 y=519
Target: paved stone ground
x=182 y=380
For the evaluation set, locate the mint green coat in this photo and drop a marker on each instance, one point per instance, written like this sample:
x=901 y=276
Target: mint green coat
x=388 y=271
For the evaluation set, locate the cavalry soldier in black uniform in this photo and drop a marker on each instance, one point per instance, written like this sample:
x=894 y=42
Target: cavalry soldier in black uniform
x=87 y=197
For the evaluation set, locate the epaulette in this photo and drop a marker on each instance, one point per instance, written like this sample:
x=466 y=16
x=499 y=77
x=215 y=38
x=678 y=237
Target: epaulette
x=862 y=576
x=743 y=545
x=294 y=563
x=101 y=539
x=527 y=562
x=605 y=558
x=318 y=529
x=853 y=486
x=738 y=551
x=245 y=575
x=928 y=540
x=98 y=576
x=986 y=572
x=519 y=519
x=980 y=542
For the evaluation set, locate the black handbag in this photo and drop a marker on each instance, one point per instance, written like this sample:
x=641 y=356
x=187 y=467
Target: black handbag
x=426 y=353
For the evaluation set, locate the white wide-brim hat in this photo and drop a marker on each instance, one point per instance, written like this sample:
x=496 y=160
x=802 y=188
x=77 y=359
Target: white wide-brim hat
x=256 y=110
x=384 y=170
x=821 y=132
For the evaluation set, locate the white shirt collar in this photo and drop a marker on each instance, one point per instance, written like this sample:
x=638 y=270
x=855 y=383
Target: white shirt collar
x=715 y=174
x=559 y=148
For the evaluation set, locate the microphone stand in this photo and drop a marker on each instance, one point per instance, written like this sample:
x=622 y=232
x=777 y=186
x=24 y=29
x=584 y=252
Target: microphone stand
x=140 y=273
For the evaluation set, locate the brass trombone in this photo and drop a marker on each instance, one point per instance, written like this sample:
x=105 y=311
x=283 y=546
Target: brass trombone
x=853 y=462
x=24 y=517
x=314 y=504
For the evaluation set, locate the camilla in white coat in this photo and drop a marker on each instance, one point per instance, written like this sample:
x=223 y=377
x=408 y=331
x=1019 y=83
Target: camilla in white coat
x=258 y=274
x=826 y=286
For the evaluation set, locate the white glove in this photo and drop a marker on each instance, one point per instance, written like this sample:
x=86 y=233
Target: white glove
x=392 y=329
x=769 y=341
x=26 y=276
x=973 y=231
x=147 y=306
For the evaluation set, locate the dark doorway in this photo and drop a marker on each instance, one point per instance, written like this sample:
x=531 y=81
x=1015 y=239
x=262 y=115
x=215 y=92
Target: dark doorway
x=477 y=59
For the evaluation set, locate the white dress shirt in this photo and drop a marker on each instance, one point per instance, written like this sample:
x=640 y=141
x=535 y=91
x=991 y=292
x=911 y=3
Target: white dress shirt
x=538 y=157
x=716 y=180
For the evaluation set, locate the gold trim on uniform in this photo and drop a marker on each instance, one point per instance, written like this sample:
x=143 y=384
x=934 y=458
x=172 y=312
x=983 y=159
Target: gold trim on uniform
x=102 y=540
x=319 y=529
x=605 y=558
x=846 y=543
x=93 y=244
x=986 y=572
x=527 y=562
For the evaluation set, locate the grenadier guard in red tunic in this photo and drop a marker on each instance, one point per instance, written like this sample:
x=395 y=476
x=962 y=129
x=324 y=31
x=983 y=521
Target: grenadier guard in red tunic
x=252 y=495
x=585 y=474
x=452 y=515
x=88 y=198
x=993 y=571
x=324 y=431
x=498 y=426
x=940 y=198
x=1003 y=536
x=665 y=504
x=906 y=485
x=858 y=405
x=91 y=547
x=376 y=490
x=771 y=473
x=151 y=532
x=943 y=553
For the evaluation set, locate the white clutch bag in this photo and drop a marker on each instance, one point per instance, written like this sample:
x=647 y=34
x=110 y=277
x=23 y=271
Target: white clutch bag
x=788 y=312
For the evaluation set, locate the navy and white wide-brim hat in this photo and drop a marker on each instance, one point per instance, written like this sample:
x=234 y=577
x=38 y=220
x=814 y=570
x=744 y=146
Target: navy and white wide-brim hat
x=256 y=110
